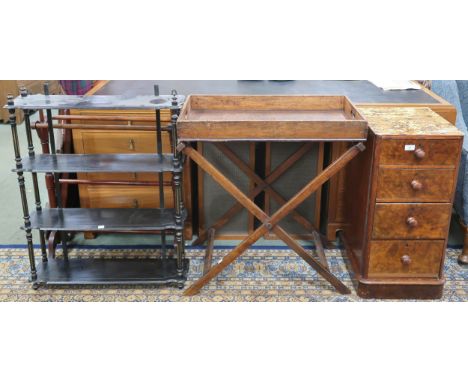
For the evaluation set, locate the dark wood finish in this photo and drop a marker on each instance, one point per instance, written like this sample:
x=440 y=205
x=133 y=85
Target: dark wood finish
x=111 y=272
x=209 y=251
x=422 y=289
x=411 y=220
x=414 y=184
x=319 y=249
x=64 y=220
x=13 y=87
x=112 y=118
x=104 y=219
x=95 y=163
x=53 y=237
x=112 y=182
x=52 y=241
x=427 y=152
x=112 y=102
x=397 y=221
x=337 y=188
x=405 y=258
x=270 y=118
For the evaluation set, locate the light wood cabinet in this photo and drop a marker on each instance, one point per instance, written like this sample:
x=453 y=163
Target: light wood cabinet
x=95 y=141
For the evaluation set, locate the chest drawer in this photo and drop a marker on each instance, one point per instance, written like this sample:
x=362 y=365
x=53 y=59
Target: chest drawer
x=419 y=152
x=112 y=142
x=127 y=197
x=415 y=185
x=405 y=258
x=411 y=220
x=132 y=176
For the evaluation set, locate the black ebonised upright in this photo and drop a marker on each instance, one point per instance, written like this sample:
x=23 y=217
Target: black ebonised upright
x=24 y=200
x=74 y=271
x=177 y=185
x=37 y=195
x=58 y=189
x=159 y=150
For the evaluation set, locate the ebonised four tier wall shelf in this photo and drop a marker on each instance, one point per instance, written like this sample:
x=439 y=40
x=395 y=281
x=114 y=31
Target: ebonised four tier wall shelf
x=170 y=267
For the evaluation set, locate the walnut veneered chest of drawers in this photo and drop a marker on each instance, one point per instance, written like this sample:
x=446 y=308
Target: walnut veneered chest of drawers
x=399 y=198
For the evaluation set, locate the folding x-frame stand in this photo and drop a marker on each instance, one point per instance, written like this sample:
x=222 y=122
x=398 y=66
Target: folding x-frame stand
x=269 y=223
x=261 y=185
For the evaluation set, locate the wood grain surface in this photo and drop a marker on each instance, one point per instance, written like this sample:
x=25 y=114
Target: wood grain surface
x=405 y=258
x=393 y=220
x=414 y=184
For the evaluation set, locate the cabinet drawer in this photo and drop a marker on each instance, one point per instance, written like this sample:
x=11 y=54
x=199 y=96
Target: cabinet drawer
x=415 y=185
x=130 y=177
x=127 y=197
x=115 y=142
x=411 y=221
x=410 y=258
x=420 y=152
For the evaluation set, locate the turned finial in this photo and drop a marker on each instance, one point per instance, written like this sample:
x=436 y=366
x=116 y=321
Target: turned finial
x=46 y=88
x=23 y=91
x=174 y=97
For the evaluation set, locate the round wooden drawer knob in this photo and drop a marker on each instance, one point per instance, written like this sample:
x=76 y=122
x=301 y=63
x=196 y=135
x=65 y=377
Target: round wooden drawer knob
x=412 y=222
x=416 y=185
x=405 y=260
x=419 y=153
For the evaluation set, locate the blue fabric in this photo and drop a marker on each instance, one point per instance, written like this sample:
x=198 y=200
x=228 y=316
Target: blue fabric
x=461 y=193
x=448 y=90
x=463 y=93
x=456 y=92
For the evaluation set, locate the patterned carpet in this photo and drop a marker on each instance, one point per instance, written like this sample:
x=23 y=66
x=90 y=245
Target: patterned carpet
x=259 y=275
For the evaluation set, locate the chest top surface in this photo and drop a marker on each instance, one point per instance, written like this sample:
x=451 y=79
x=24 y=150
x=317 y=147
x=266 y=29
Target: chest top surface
x=398 y=121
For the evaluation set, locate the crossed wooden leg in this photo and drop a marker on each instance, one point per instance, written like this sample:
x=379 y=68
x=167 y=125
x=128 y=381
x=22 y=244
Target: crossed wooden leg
x=270 y=223
x=261 y=185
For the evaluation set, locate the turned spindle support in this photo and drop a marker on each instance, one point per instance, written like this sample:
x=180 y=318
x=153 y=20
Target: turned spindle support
x=22 y=188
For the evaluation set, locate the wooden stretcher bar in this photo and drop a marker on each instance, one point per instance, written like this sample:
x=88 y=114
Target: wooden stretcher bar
x=270 y=222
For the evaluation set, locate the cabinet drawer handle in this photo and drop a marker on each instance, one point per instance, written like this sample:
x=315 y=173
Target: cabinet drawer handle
x=405 y=260
x=419 y=153
x=412 y=222
x=416 y=185
x=135 y=203
x=131 y=145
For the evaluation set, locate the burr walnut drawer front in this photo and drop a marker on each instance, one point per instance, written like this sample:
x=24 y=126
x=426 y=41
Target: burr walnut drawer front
x=415 y=185
x=419 y=152
x=405 y=258
x=411 y=220
x=127 y=197
x=118 y=142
